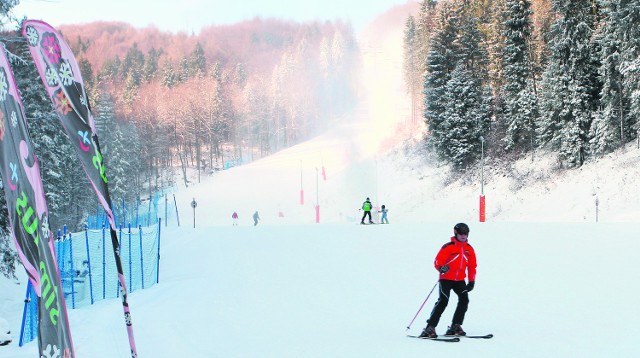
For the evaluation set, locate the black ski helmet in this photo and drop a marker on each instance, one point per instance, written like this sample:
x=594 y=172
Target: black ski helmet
x=461 y=228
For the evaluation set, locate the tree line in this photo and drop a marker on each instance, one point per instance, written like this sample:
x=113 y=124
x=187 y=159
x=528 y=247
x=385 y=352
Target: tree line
x=524 y=75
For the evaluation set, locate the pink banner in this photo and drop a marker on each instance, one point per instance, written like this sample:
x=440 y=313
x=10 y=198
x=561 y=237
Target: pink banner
x=61 y=77
x=29 y=221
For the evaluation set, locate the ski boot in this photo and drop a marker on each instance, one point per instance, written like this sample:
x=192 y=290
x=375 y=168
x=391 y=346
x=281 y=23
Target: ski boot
x=428 y=332
x=455 y=330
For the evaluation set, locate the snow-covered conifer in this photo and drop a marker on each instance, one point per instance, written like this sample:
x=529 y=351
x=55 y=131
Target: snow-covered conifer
x=569 y=88
x=518 y=94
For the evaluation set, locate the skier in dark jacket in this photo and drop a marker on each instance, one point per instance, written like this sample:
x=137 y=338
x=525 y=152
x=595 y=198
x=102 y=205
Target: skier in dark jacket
x=366 y=206
x=256 y=218
x=454 y=261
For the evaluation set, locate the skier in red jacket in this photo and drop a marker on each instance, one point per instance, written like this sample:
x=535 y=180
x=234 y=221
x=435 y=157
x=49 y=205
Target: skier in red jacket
x=454 y=260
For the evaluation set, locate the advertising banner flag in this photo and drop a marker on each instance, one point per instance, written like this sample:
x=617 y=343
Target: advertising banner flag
x=29 y=218
x=61 y=76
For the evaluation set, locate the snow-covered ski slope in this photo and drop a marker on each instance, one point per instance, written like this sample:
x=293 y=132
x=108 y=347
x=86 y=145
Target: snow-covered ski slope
x=551 y=282
x=342 y=290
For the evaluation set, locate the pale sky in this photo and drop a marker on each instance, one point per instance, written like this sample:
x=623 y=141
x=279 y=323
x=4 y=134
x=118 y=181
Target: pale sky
x=192 y=15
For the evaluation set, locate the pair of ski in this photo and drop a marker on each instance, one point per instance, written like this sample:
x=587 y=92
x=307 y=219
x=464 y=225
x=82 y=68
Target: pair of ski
x=452 y=338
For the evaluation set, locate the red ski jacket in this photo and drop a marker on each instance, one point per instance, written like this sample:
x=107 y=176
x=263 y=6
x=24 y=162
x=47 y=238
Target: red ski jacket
x=460 y=258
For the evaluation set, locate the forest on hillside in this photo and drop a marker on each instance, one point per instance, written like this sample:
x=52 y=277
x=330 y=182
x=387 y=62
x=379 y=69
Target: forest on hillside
x=516 y=76
x=229 y=92
x=165 y=102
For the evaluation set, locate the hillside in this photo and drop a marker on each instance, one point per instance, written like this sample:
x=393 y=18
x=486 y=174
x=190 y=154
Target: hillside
x=257 y=43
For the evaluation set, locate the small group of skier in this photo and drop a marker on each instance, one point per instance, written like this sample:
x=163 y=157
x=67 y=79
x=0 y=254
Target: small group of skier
x=367 y=206
x=256 y=218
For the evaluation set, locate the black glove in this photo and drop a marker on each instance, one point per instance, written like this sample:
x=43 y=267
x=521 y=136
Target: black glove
x=470 y=285
x=444 y=269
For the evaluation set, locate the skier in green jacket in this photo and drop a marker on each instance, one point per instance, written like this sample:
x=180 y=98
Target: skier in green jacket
x=366 y=206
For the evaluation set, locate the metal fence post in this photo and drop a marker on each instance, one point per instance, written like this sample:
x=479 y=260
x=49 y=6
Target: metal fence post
x=86 y=236
x=158 y=259
x=141 y=257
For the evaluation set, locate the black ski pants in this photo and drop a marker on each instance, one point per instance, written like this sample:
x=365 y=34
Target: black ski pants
x=365 y=215
x=460 y=288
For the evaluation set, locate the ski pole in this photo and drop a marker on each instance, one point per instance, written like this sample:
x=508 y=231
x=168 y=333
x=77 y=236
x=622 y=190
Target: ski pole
x=423 y=303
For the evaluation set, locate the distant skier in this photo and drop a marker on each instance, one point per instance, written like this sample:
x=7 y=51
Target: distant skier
x=256 y=218
x=383 y=219
x=366 y=206
x=234 y=216
x=453 y=261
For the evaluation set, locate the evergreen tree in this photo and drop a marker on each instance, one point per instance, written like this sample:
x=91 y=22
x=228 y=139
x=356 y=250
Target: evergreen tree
x=116 y=151
x=629 y=34
x=198 y=61
x=469 y=41
x=110 y=70
x=117 y=163
x=218 y=111
x=169 y=77
x=184 y=71
x=216 y=71
x=458 y=106
x=424 y=25
x=441 y=61
x=86 y=71
x=495 y=43
x=6 y=6
x=104 y=115
x=132 y=64
x=412 y=64
x=608 y=130
x=240 y=75
x=518 y=94
x=79 y=46
x=569 y=88
x=131 y=140
x=150 y=68
x=130 y=91
x=466 y=116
